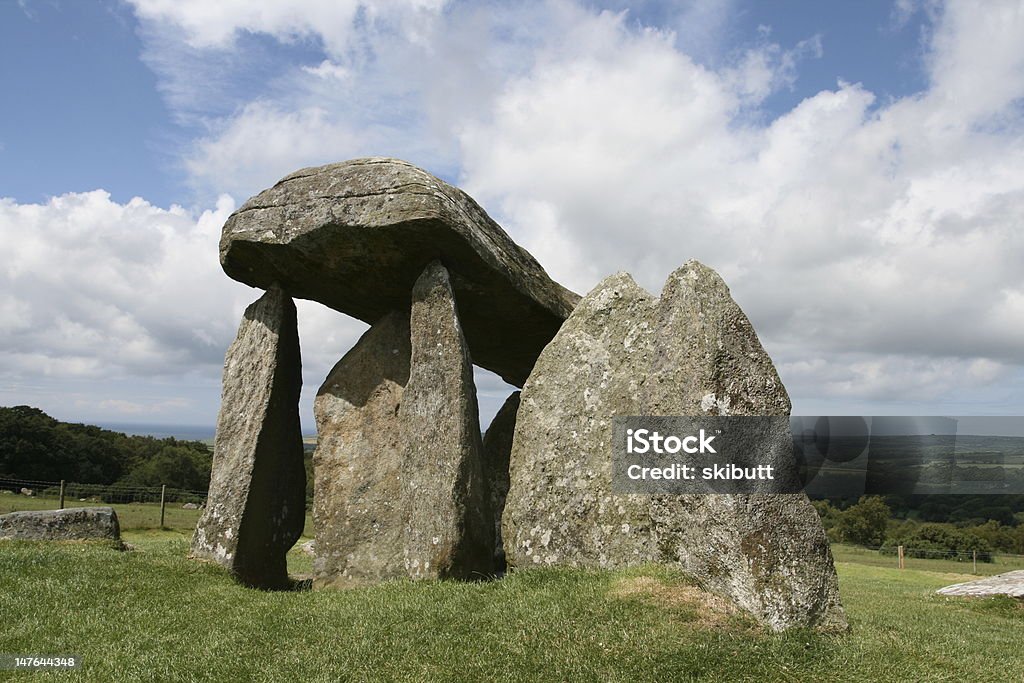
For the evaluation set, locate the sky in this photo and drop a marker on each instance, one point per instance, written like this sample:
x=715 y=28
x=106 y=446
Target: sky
x=855 y=171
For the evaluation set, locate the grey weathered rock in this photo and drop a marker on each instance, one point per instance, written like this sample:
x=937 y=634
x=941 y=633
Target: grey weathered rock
x=449 y=525
x=358 y=459
x=691 y=352
x=356 y=235
x=399 y=484
x=1008 y=583
x=256 y=505
x=497 y=449
x=189 y=506
x=71 y=524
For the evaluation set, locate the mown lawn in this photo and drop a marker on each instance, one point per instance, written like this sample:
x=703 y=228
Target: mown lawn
x=152 y=615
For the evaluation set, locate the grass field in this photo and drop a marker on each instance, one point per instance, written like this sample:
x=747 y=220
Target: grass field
x=152 y=615
x=1001 y=563
x=131 y=516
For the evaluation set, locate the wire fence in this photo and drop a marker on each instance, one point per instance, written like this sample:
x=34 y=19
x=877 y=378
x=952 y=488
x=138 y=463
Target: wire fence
x=100 y=493
x=938 y=559
x=943 y=554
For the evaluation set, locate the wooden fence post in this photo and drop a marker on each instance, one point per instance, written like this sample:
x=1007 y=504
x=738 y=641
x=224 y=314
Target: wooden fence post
x=974 y=554
x=61 y=495
x=163 y=503
x=899 y=550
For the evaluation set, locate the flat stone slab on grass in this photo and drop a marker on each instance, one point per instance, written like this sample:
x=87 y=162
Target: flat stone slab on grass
x=1010 y=583
x=72 y=524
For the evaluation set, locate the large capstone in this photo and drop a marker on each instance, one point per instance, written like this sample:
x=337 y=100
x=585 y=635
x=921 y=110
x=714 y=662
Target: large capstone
x=691 y=352
x=399 y=484
x=256 y=506
x=72 y=524
x=356 y=235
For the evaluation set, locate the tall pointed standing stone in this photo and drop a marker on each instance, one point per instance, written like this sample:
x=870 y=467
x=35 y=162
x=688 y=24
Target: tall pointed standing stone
x=690 y=352
x=448 y=523
x=256 y=506
x=399 y=483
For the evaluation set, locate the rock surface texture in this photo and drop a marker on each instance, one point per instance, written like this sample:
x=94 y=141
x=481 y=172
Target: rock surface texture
x=1009 y=583
x=691 y=352
x=497 y=449
x=399 y=482
x=72 y=524
x=358 y=459
x=356 y=235
x=256 y=506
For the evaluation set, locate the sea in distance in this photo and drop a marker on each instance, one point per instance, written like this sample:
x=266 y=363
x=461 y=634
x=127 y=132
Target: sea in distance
x=181 y=432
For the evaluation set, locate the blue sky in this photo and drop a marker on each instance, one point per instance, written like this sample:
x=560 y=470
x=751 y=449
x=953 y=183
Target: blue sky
x=87 y=112
x=854 y=170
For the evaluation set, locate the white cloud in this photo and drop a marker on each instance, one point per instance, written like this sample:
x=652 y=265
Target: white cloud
x=843 y=227
x=216 y=24
x=110 y=308
x=875 y=245
x=262 y=144
x=98 y=288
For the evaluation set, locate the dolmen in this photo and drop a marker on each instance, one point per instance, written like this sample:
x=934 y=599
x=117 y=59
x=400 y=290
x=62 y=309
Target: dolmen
x=405 y=485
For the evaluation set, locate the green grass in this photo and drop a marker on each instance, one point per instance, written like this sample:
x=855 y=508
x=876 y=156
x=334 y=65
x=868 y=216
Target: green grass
x=152 y=615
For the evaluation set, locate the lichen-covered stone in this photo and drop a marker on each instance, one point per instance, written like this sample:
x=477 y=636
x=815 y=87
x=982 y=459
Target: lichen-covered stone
x=71 y=524
x=497 y=449
x=357 y=464
x=356 y=235
x=690 y=352
x=399 y=484
x=256 y=506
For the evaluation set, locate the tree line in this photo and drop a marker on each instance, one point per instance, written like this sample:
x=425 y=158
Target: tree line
x=35 y=446
x=873 y=522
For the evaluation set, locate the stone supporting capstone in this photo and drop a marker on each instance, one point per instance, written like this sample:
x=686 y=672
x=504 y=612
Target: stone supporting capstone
x=497 y=448
x=256 y=505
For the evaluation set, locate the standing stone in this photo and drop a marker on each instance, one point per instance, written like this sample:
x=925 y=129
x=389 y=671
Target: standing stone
x=497 y=449
x=256 y=506
x=399 y=483
x=357 y=494
x=448 y=522
x=691 y=352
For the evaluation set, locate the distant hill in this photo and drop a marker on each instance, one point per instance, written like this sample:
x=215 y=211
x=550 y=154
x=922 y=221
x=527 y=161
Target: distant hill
x=35 y=446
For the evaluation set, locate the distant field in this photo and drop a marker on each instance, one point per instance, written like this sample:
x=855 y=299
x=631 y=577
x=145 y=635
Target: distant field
x=152 y=615
x=854 y=554
x=132 y=516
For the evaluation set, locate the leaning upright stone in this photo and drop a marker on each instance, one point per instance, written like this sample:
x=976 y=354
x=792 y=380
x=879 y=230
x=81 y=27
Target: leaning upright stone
x=399 y=483
x=357 y=495
x=256 y=506
x=691 y=352
x=497 y=448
